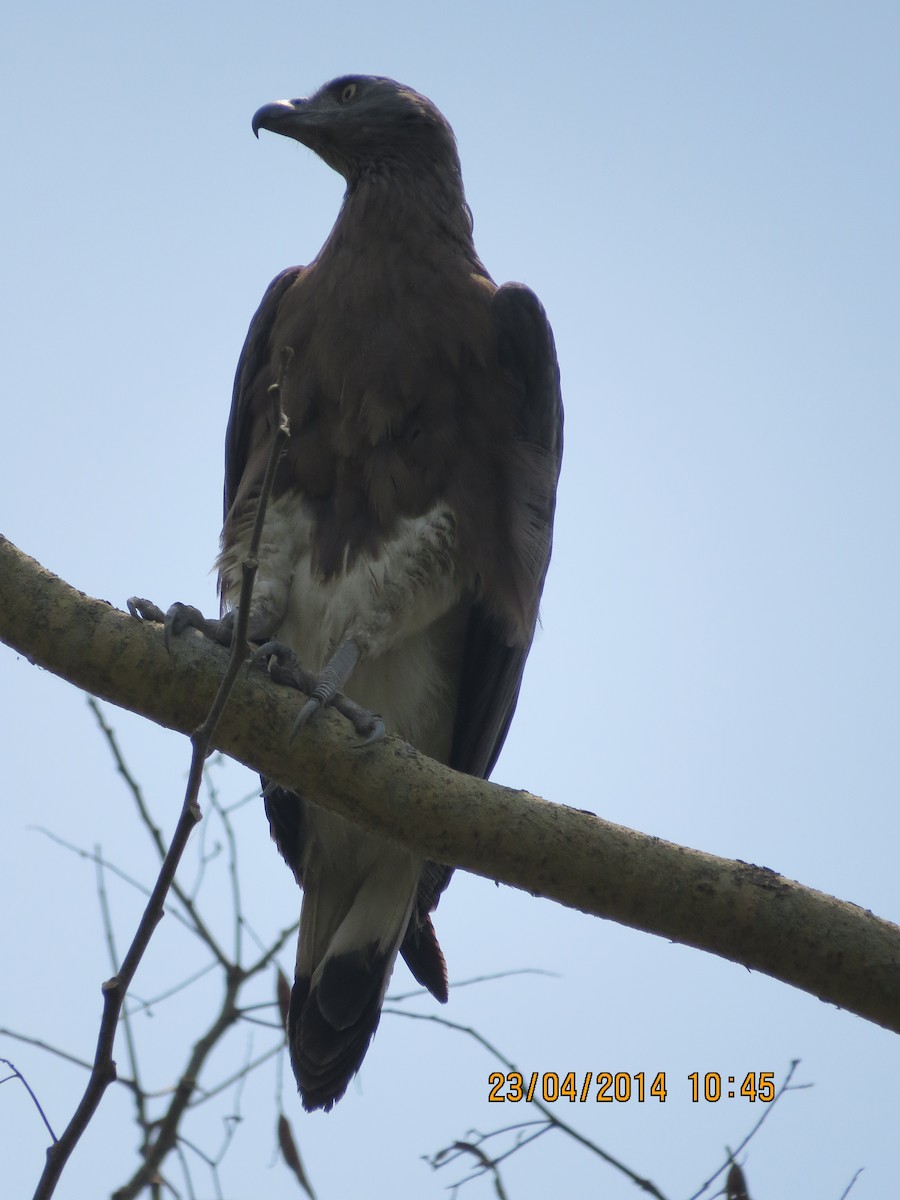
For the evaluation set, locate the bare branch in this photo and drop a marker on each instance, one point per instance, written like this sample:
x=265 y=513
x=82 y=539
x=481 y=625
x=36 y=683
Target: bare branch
x=461 y=983
x=17 y=1074
x=206 y=1094
x=130 y=1045
x=169 y=1126
x=115 y=989
x=846 y=1192
x=141 y=1005
x=552 y=1118
x=766 y=1110
x=487 y=1162
x=749 y=914
x=223 y=816
x=122 y=1080
x=91 y=856
x=152 y=828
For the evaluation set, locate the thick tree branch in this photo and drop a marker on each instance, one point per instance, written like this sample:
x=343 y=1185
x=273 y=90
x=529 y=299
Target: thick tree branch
x=748 y=914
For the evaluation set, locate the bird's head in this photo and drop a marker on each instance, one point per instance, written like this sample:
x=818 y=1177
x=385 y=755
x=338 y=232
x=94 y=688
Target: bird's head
x=364 y=125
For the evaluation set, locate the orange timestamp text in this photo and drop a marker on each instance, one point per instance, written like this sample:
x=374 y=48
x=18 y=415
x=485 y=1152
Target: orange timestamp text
x=620 y=1087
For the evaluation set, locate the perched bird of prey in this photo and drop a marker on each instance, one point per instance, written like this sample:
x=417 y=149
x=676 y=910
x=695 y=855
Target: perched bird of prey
x=408 y=532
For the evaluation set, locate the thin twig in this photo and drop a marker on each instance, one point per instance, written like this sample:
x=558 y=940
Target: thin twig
x=767 y=1108
x=209 y=1093
x=143 y=1005
x=521 y=1141
x=92 y=856
x=258 y=1022
x=185 y=1171
x=194 y=920
x=139 y=1096
x=276 y=947
x=290 y=932
x=189 y=922
x=17 y=1074
x=168 y=1129
x=846 y=1192
x=461 y=983
x=115 y=989
x=486 y=1164
x=645 y=1184
x=212 y=1163
x=220 y=812
x=41 y=1045
x=244 y=800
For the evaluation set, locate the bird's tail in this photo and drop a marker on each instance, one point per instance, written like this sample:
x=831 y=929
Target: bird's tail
x=355 y=915
x=328 y=1036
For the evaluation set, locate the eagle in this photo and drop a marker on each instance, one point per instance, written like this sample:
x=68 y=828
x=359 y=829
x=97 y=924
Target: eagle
x=408 y=531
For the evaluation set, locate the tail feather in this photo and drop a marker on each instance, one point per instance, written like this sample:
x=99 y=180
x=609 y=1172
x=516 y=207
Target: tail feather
x=358 y=896
x=331 y=1023
x=364 y=900
x=422 y=954
x=347 y=983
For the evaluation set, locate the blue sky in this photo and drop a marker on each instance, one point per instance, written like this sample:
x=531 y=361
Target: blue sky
x=705 y=197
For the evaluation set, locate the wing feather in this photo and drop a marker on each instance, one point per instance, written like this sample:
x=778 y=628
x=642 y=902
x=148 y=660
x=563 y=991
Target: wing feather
x=256 y=358
x=493 y=663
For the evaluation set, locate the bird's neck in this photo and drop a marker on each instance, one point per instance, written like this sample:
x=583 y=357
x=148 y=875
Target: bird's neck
x=425 y=215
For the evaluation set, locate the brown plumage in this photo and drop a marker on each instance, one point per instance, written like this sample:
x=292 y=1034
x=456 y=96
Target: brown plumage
x=410 y=521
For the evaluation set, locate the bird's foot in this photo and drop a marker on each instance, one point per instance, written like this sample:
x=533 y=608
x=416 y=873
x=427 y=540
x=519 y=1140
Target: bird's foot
x=322 y=688
x=184 y=616
x=146 y=610
x=368 y=725
x=180 y=617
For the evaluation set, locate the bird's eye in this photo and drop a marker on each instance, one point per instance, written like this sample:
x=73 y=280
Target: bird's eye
x=348 y=91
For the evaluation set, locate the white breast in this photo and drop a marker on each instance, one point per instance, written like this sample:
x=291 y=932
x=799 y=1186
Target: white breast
x=406 y=608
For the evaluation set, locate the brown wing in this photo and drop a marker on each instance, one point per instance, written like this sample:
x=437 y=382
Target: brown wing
x=492 y=667
x=256 y=357
x=493 y=664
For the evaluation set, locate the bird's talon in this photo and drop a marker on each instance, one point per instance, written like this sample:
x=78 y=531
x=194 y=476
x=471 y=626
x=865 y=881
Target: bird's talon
x=145 y=610
x=177 y=619
x=370 y=734
x=307 y=712
x=267 y=650
x=368 y=725
x=283 y=665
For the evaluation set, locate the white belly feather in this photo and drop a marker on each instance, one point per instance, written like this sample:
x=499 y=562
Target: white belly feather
x=404 y=609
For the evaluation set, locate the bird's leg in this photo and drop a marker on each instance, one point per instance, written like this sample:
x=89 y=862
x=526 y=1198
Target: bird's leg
x=328 y=682
x=322 y=688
